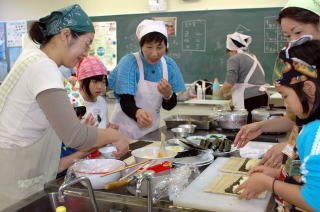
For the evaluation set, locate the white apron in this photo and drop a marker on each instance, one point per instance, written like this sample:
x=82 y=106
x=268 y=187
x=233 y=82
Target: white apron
x=25 y=170
x=148 y=98
x=239 y=88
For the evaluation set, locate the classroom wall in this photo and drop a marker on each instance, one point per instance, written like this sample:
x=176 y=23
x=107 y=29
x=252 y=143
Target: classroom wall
x=34 y=9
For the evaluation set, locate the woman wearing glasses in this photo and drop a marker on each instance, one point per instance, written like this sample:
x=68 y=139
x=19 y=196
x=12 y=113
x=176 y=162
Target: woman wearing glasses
x=35 y=112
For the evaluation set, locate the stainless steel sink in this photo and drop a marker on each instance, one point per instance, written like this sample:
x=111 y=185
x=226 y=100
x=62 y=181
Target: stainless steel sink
x=48 y=202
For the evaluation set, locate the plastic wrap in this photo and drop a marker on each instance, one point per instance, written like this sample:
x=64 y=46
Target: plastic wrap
x=175 y=183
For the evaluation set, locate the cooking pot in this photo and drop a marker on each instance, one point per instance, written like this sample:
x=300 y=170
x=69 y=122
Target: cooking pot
x=231 y=119
x=266 y=113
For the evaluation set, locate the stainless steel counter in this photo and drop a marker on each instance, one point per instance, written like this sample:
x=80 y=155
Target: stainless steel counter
x=119 y=197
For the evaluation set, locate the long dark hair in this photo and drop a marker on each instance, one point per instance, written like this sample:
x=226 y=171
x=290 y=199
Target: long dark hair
x=154 y=36
x=309 y=52
x=300 y=15
x=37 y=36
x=86 y=83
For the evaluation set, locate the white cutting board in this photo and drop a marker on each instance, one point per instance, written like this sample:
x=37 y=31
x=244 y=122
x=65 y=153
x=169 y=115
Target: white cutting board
x=194 y=196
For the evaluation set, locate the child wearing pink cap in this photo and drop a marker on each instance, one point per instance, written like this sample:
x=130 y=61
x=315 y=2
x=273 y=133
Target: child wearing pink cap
x=92 y=78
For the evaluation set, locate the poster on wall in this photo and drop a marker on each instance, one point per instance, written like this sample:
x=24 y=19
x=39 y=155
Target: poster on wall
x=2 y=42
x=15 y=30
x=14 y=54
x=3 y=70
x=104 y=45
x=171 y=24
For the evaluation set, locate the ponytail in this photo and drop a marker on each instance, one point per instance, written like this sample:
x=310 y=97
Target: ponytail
x=36 y=34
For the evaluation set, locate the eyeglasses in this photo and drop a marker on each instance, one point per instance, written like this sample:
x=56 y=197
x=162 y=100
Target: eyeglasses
x=86 y=41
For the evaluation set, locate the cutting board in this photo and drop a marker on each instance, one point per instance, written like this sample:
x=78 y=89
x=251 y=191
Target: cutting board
x=194 y=196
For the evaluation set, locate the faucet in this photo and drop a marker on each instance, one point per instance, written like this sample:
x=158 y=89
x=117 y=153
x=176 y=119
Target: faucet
x=87 y=184
x=148 y=176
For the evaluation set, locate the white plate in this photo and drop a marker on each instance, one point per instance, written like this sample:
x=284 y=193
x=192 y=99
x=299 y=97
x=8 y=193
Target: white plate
x=205 y=157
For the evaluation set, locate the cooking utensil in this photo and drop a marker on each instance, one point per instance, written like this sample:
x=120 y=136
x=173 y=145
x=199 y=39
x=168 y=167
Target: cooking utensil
x=232 y=119
x=151 y=152
x=180 y=132
x=191 y=127
x=127 y=167
x=162 y=151
x=266 y=113
x=203 y=122
x=124 y=181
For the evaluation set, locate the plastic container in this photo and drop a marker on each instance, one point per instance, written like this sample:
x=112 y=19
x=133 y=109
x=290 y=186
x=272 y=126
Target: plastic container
x=199 y=91
x=61 y=209
x=215 y=89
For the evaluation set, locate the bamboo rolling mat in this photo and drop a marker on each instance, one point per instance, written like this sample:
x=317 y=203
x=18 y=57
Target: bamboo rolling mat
x=233 y=165
x=224 y=181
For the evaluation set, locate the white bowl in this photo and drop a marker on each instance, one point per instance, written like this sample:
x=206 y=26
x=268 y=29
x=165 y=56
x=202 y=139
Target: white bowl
x=94 y=168
x=146 y=153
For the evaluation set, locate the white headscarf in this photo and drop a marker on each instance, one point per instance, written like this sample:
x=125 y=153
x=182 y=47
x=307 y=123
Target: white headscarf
x=311 y=5
x=245 y=40
x=147 y=26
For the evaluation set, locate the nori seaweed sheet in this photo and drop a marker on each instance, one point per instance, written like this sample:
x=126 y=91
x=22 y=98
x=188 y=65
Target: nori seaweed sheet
x=243 y=167
x=230 y=188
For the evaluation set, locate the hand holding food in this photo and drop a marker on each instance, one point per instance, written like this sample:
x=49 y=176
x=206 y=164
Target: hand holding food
x=252 y=187
x=144 y=118
x=165 y=88
x=247 y=133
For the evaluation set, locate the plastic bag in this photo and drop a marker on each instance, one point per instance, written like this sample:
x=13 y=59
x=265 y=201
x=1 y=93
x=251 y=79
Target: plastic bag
x=175 y=183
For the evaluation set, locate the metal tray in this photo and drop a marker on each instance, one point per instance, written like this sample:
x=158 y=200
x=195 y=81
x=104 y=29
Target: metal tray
x=202 y=122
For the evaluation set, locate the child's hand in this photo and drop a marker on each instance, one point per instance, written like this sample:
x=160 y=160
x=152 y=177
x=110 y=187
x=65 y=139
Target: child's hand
x=89 y=120
x=256 y=184
x=273 y=156
x=113 y=126
x=272 y=172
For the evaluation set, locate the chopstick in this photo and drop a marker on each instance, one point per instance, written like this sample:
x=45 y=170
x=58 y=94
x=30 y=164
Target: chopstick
x=138 y=169
x=124 y=181
x=127 y=167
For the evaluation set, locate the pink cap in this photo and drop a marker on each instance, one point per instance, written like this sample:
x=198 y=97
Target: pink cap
x=90 y=66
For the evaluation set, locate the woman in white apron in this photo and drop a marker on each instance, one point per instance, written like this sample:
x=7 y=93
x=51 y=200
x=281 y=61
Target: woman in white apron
x=35 y=113
x=144 y=81
x=245 y=77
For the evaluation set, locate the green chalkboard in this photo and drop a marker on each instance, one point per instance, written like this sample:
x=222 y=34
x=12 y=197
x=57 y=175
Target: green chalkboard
x=199 y=45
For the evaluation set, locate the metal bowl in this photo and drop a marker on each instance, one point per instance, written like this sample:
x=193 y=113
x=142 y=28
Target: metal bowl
x=191 y=127
x=180 y=132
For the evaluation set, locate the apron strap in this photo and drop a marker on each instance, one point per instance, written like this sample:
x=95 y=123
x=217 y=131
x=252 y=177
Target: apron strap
x=164 y=68
x=13 y=77
x=140 y=65
x=252 y=69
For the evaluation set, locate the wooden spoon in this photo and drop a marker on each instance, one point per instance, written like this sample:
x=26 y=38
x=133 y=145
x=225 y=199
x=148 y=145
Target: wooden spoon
x=162 y=151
